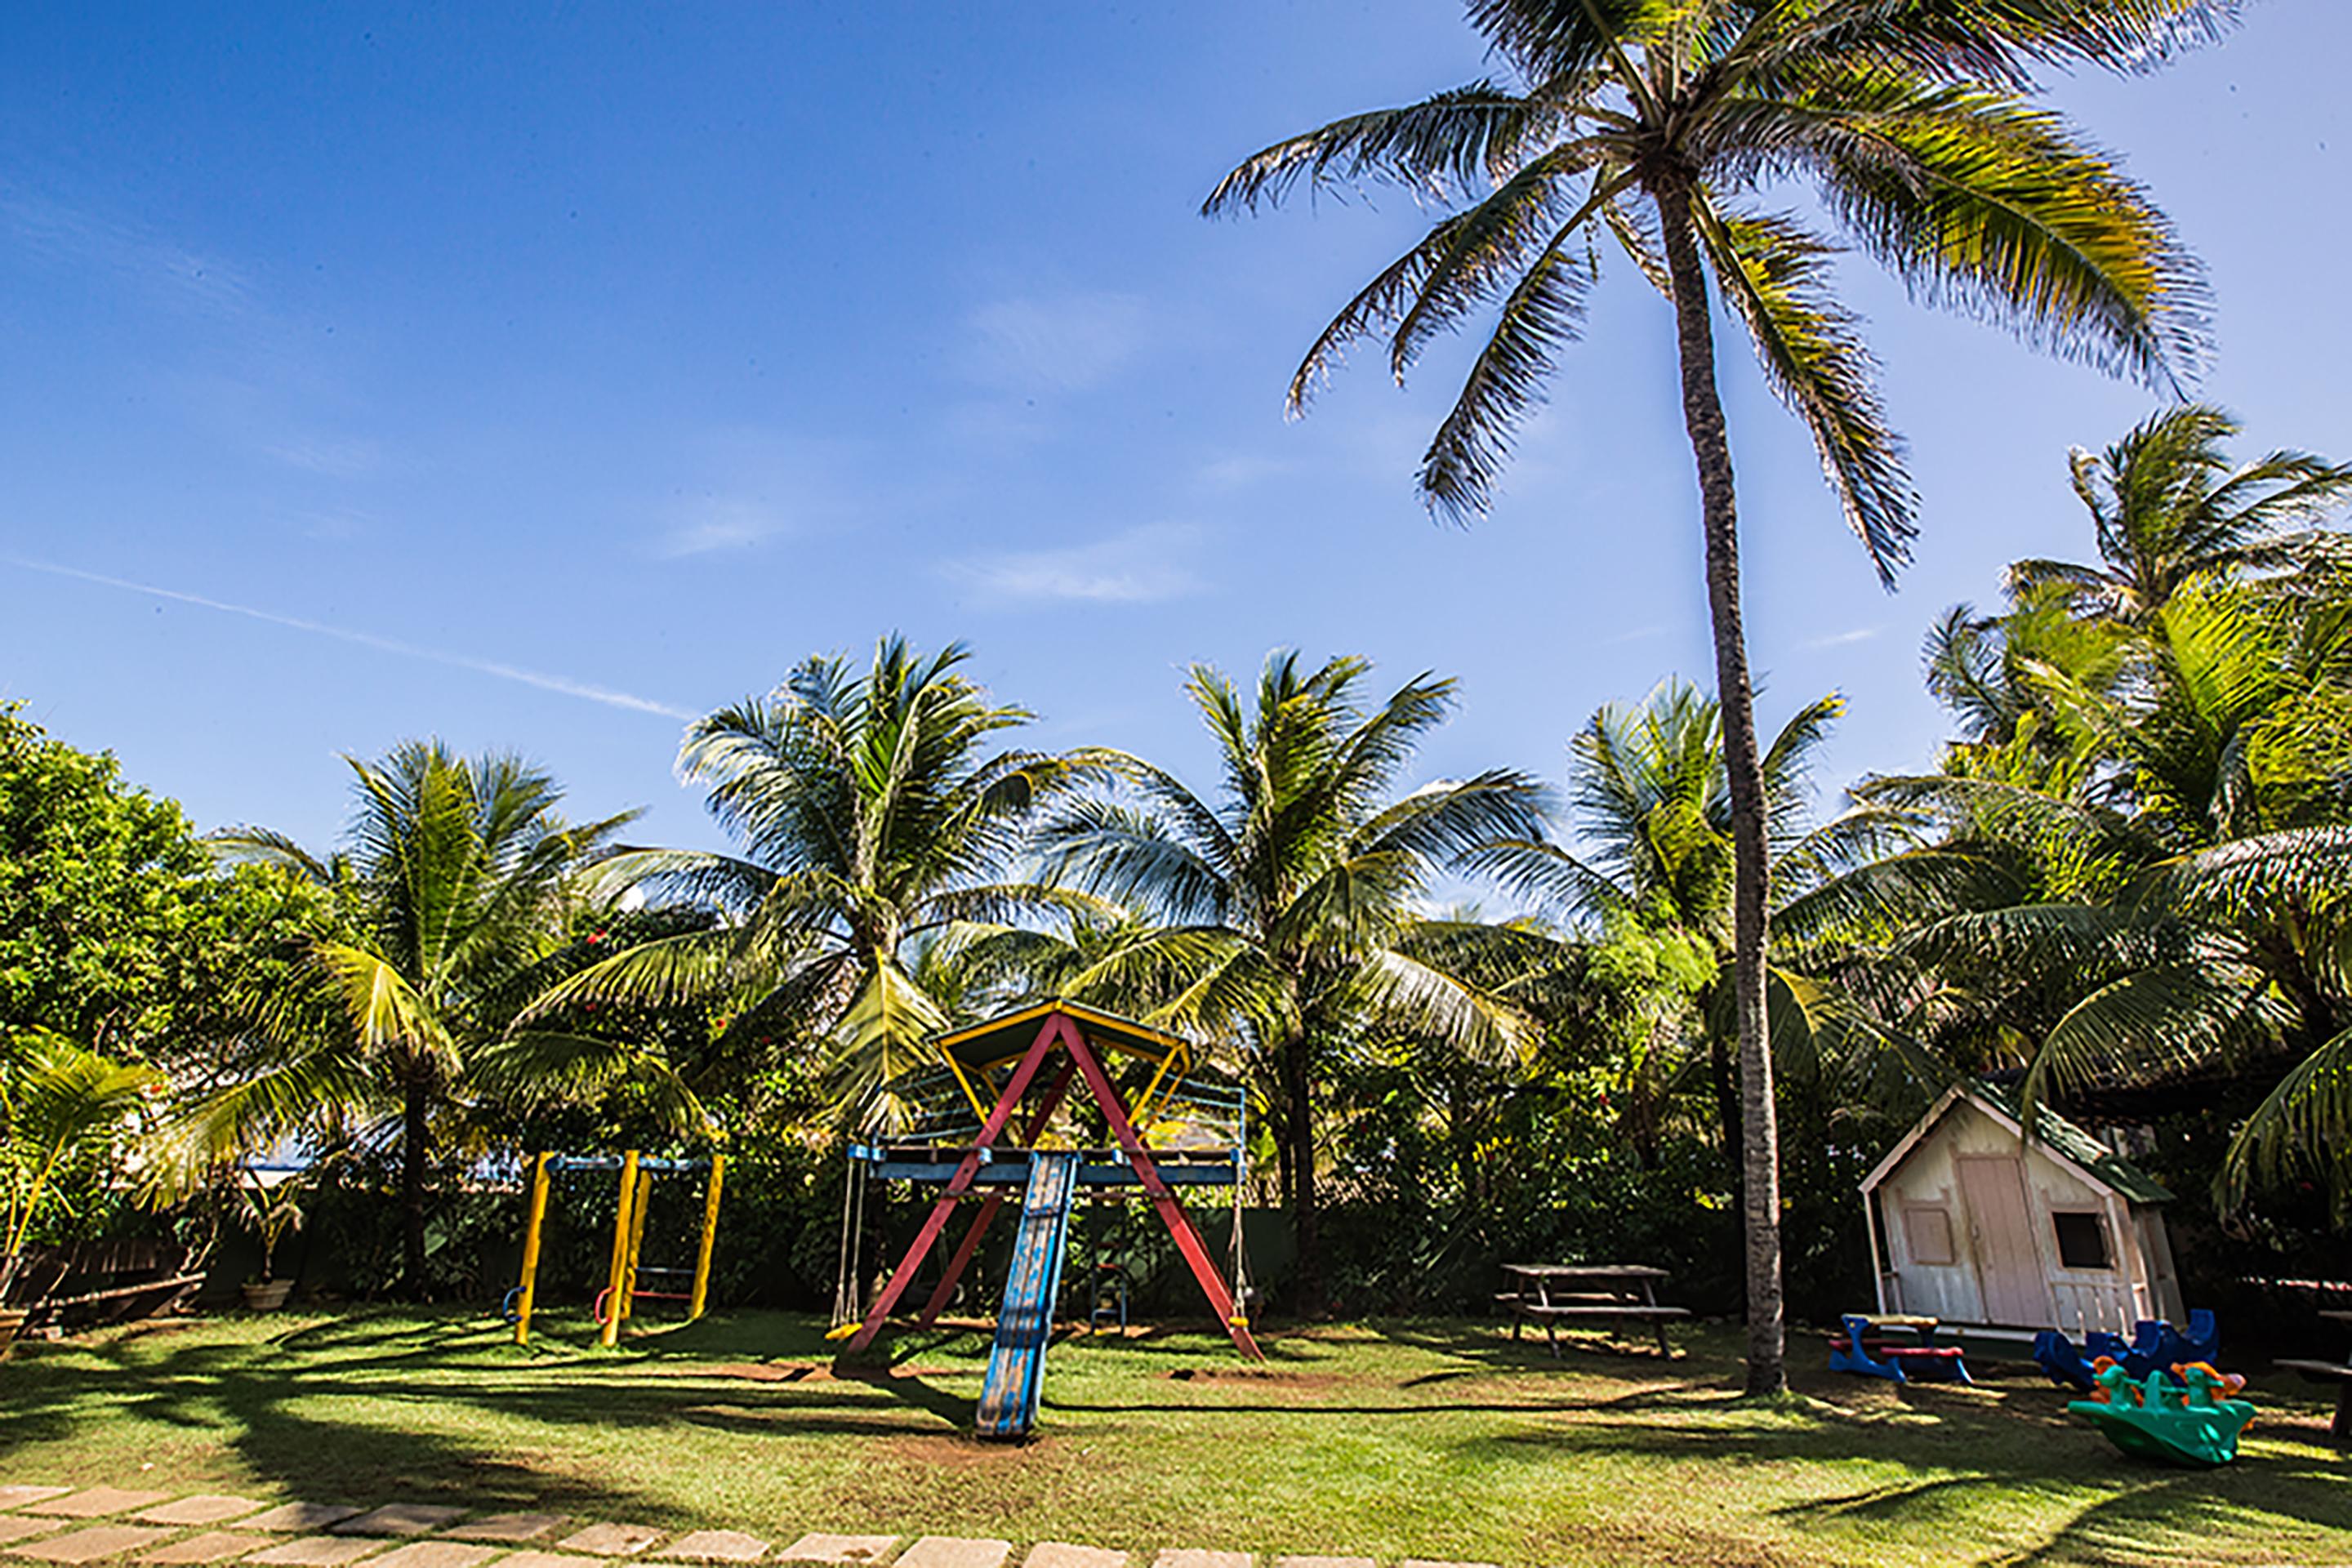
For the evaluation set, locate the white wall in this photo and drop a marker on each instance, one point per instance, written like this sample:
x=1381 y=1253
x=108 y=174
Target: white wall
x=2074 y=1298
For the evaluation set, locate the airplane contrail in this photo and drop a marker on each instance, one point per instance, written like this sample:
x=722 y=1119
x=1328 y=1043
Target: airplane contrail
x=564 y=685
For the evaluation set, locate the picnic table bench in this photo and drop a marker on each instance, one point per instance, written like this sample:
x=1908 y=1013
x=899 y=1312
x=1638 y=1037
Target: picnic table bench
x=1862 y=1345
x=1554 y=1293
x=2340 y=1374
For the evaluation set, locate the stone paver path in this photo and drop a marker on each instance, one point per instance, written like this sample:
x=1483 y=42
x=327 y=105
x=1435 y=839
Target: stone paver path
x=611 y=1540
x=434 y=1554
x=92 y=1545
x=819 y=1547
x=213 y=1546
x=16 y=1496
x=955 y=1552
x=316 y=1551
x=206 y=1510
x=400 y=1518
x=295 y=1516
x=507 y=1527
x=96 y=1503
x=54 y=1525
x=715 y=1546
x=1062 y=1555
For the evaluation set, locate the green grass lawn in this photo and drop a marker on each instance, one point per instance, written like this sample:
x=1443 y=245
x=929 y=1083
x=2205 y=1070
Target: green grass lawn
x=1440 y=1439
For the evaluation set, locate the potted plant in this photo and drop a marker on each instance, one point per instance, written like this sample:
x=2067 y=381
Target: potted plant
x=270 y=1212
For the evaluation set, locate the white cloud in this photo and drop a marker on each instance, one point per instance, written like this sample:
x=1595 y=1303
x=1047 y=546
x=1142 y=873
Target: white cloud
x=1139 y=566
x=1845 y=638
x=746 y=486
x=335 y=459
x=1065 y=343
x=718 y=523
x=74 y=238
x=1238 y=471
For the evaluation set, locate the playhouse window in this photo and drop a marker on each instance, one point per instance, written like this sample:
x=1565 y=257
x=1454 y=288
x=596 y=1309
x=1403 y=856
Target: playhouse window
x=2082 y=1241
x=1930 y=1232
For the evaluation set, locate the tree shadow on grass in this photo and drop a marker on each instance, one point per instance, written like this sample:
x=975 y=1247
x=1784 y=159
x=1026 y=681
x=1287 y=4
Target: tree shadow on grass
x=317 y=1410
x=1958 y=1451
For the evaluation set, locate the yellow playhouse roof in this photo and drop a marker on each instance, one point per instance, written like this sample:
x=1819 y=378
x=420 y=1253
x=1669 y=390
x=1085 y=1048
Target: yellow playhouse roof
x=985 y=1046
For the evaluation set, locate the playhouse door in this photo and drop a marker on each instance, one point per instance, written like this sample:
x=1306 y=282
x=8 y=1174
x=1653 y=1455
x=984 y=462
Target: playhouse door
x=2001 y=1234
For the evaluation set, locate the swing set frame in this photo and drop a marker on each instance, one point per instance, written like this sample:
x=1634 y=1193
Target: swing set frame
x=616 y=1302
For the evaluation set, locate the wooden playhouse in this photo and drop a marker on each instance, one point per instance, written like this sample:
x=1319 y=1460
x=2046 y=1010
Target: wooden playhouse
x=1972 y=1222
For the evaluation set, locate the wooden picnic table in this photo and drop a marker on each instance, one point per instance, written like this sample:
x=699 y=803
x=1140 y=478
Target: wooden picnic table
x=1550 y=1293
x=2331 y=1372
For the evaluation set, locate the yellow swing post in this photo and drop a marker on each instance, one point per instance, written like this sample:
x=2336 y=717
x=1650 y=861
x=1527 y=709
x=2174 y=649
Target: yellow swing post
x=530 y=1250
x=709 y=1235
x=616 y=1275
x=627 y=1305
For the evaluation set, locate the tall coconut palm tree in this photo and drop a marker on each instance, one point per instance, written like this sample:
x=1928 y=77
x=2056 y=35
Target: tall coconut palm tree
x=872 y=815
x=1662 y=125
x=448 y=897
x=1291 y=901
x=2168 y=505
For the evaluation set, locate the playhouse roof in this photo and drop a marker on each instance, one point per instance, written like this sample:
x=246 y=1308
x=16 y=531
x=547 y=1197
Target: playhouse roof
x=1003 y=1038
x=2058 y=1137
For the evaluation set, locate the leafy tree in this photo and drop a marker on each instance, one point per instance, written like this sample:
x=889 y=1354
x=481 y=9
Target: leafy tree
x=1659 y=127
x=2168 y=506
x=114 y=929
x=449 y=896
x=1289 y=903
x=873 y=822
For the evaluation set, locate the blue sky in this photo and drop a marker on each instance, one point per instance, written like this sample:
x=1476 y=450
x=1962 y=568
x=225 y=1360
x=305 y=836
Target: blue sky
x=537 y=376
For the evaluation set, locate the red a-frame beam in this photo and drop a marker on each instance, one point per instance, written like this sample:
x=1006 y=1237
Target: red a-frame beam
x=995 y=1201
x=1172 y=1212
x=958 y=1185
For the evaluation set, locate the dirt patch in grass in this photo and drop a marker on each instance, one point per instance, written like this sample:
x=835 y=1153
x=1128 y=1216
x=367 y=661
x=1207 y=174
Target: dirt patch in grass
x=961 y=1451
x=798 y=1372
x=1262 y=1377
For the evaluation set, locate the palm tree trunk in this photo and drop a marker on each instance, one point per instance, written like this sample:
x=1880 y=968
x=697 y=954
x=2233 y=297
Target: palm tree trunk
x=413 y=1153
x=1305 y=1220
x=1759 y=1135
x=1725 y=1080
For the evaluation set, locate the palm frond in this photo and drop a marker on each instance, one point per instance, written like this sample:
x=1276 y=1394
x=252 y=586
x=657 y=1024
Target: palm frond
x=1440 y=147
x=1543 y=312
x=1777 y=275
x=2305 y=1123
x=1988 y=205
x=2169 y=1019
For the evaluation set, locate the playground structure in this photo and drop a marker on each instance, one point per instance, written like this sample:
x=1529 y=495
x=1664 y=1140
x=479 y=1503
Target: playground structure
x=616 y=1302
x=2172 y=1416
x=2154 y=1347
x=1173 y=1128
